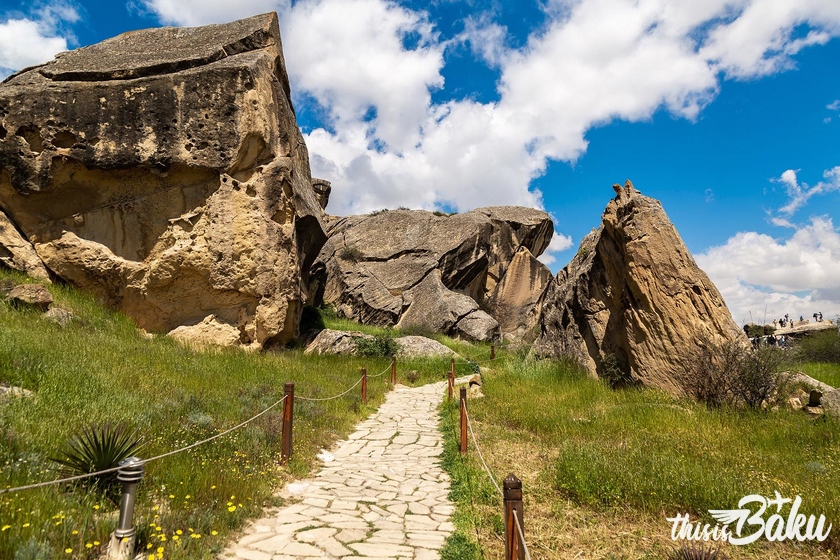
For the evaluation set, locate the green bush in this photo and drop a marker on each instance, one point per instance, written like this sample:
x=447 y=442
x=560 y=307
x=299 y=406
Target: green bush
x=754 y=330
x=380 y=346
x=311 y=319
x=612 y=372
x=821 y=347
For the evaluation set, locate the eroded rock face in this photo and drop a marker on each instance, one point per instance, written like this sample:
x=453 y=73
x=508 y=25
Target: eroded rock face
x=164 y=170
x=18 y=253
x=416 y=270
x=634 y=291
x=517 y=300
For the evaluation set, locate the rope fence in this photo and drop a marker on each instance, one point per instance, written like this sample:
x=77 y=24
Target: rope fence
x=510 y=492
x=338 y=396
x=142 y=461
x=131 y=470
x=207 y=440
x=481 y=456
x=521 y=535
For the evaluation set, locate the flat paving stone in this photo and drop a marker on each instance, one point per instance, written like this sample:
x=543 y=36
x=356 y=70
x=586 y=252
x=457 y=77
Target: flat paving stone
x=382 y=495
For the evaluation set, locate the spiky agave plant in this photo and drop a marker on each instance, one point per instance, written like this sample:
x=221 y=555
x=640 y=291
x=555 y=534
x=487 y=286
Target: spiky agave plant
x=95 y=449
x=696 y=552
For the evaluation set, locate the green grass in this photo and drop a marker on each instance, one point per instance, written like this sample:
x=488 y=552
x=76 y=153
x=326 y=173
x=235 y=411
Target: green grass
x=826 y=372
x=470 y=489
x=639 y=450
x=99 y=369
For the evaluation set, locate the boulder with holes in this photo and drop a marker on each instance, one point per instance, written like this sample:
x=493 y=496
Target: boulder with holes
x=164 y=171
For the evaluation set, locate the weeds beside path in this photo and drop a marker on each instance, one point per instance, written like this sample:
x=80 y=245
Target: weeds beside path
x=98 y=369
x=602 y=469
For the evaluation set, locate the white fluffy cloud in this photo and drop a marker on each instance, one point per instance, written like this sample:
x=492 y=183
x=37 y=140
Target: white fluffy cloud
x=559 y=243
x=371 y=66
x=192 y=13
x=28 y=41
x=758 y=274
x=799 y=193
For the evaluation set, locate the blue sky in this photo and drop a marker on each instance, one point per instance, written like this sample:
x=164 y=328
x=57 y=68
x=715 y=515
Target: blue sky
x=728 y=111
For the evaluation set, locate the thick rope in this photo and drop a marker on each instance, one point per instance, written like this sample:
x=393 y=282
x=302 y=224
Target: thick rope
x=480 y=456
x=143 y=461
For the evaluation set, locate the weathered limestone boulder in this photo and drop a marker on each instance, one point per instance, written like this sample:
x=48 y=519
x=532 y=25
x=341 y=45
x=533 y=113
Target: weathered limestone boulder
x=329 y=341
x=60 y=317
x=10 y=392
x=799 y=379
x=18 y=253
x=831 y=403
x=164 y=171
x=633 y=291
x=208 y=333
x=413 y=346
x=413 y=269
x=517 y=300
x=30 y=295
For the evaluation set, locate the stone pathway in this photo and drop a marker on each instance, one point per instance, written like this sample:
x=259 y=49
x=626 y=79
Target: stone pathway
x=381 y=495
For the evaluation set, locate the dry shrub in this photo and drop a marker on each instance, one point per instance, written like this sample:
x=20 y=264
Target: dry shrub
x=721 y=372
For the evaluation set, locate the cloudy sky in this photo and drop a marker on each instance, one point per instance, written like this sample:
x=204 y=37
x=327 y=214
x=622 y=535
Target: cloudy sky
x=728 y=111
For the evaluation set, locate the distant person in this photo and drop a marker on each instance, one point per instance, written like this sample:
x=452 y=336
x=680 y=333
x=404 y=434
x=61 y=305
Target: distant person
x=775 y=323
x=820 y=316
x=801 y=318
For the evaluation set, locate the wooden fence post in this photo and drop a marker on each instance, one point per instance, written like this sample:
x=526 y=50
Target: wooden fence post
x=393 y=370
x=451 y=378
x=288 y=410
x=492 y=351
x=364 y=385
x=514 y=547
x=463 y=420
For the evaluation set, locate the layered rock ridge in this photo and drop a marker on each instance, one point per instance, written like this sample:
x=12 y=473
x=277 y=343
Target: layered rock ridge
x=633 y=294
x=164 y=170
x=435 y=273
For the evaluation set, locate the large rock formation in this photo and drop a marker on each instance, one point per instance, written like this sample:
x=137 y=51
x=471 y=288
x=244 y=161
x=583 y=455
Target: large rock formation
x=417 y=270
x=633 y=291
x=516 y=302
x=164 y=170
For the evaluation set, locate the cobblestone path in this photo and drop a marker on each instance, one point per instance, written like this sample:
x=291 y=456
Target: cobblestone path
x=382 y=494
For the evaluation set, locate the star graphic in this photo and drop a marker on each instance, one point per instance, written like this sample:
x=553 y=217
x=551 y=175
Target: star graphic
x=778 y=501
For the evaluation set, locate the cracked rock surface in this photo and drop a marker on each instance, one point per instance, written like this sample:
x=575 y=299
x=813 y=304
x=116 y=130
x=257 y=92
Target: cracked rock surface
x=163 y=170
x=417 y=270
x=634 y=293
x=381 y=493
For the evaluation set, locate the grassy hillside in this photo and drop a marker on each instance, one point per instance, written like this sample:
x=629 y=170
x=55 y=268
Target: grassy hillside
x=602 y=469
x=99 y=369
